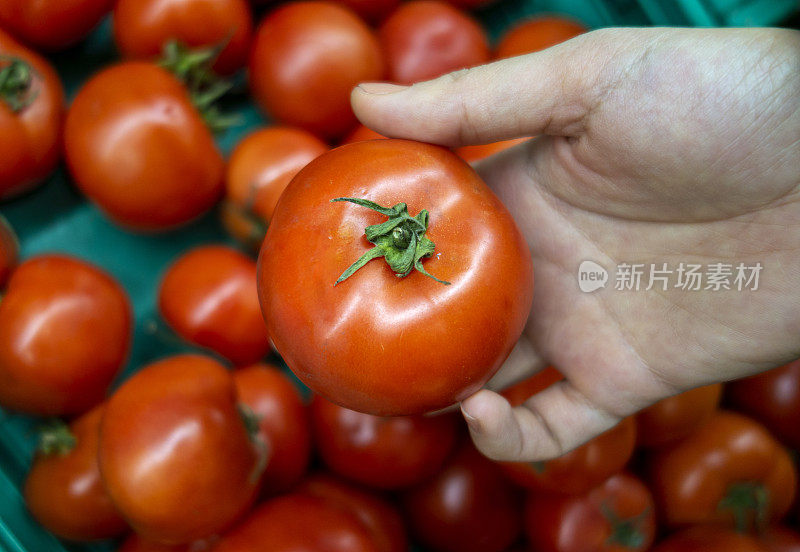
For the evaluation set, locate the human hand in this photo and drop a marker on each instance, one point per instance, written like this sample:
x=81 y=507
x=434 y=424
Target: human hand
x=654 y=146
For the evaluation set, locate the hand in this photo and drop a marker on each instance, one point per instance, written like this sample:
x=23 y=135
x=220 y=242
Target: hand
x=654 y=146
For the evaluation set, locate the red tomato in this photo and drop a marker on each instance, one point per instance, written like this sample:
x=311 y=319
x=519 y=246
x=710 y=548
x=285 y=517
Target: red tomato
x=376 y=514
x=283 y=423
x=470 y=154
x=362 y=133
x=63 y=489
x=9 y=251
x=617 y=516
x=425 y=39
x=471 y=4
x=772 y=398
x=259 y=169
x=373 y=11
x=377 y=343
x=139 y=149
x=537 y=34
x=780 y=539
x=299 y=522
x=467 y=507
x=730 y=471
x=142 y=27
x=65 y=332
x=306 y=59
x=385 y=453
x=674 y=418
x=52 y=24
x=135 y=543
x=175 y=454
x=31 y=113
x=709 y=539
x=209 y=297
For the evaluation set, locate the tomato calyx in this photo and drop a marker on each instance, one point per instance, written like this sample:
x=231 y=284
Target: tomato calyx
x=16 y=79
x=400 y=240
x=56 y=438
x=625 y=532
x=251 y=422
x=749 y=503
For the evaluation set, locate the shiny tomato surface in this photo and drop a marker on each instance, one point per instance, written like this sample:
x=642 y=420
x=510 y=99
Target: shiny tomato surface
x=52 y=24
x=674 y=418
x=537 y=34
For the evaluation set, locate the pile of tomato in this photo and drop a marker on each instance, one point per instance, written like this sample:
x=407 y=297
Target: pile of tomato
x=219 y=449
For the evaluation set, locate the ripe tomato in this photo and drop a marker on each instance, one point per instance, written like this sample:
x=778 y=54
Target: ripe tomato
x=377 y=343
x=772 y=398
x=471 y=4
x=373 y=11
x=259 y=169
x=425 y=39
x=537 y=34
x=299 y=522
x=376 y=514
x=209 y=297
x=65 y=332
x=467 y=507
x=362 y=133
x=282 y=423
x=139 y=149
x=709 y=539
x=617 y=516
x=471 y=154
x=63 y=489
x=135 y=543
x=306 y=59
x=142 y=27
x=385 y=453
x=175 y=454
x=778 y=538
x=729 y=471
x=674 y=418
x=9 y=251
x=52 y=24
x=31 y=115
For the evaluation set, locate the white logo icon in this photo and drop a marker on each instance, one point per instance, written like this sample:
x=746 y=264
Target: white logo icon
x=591 y=276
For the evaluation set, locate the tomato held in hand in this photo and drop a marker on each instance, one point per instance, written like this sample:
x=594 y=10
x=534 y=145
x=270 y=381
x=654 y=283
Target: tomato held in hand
x=9 y=251
x=730 y=471
x=143 y=27
x=138 y=148
x=209 y=297
x=675 y=418
x=175 y=454
x=425 y=39
x=306 y=59
x=31 y=115
x=710 y=539
x=63 y=489
x=65 y=332
x=617 y=516
x=537 y=34
x=282 y=423
x=385 y=453
x=467 y=507
x=52 y=24
x=375 y=342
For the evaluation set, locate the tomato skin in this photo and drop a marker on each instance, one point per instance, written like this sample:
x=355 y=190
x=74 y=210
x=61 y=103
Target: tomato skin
x=135 y=543
x=185 y=405
x=537 y=34
x=470 y=4
x=675 y=418
x=65 y=332
x=362 y=133
x=306 y=59
x=373 y=11
x=209 y=297
x=772 y=398
x=283 y=423
x=778 y=538
x=9 y=251
x=691 y=478
x=466 y=507
x=709 y=539
x=563 y=523
x=384 y=453
x=408 y=360
x=142 y=27
x=52 y=25
x=425 y=39
x=138 y=148
x=471 y=154
x=30 y=139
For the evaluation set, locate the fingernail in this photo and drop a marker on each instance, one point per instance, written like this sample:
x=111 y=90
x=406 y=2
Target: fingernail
x=472 y=421
x=380 y=88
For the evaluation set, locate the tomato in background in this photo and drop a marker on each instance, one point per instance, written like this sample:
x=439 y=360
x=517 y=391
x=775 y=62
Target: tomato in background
x=283 y=423
x=471 y=154
x=209 y=297
x=65 y=332
x=175 y=454
x=138 y=148
x=709 y=539
x=143 y=27
x=674 y=418
x=52 y=24
x=537 y=34
x=31 y=117
x=306 y=59
x=373 y=11
x=384 y=453
x=772 y=398
x=425 y=39
x=9 y=251
x=471 y=4
x=617 y=516
x=135 y=543
x=362 y=133
x=730 y=471
x=377 y=343
x=467 y=507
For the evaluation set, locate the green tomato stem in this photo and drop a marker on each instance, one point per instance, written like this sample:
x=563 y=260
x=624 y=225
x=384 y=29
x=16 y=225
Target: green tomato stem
x=16 y=79
x=56 y=438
